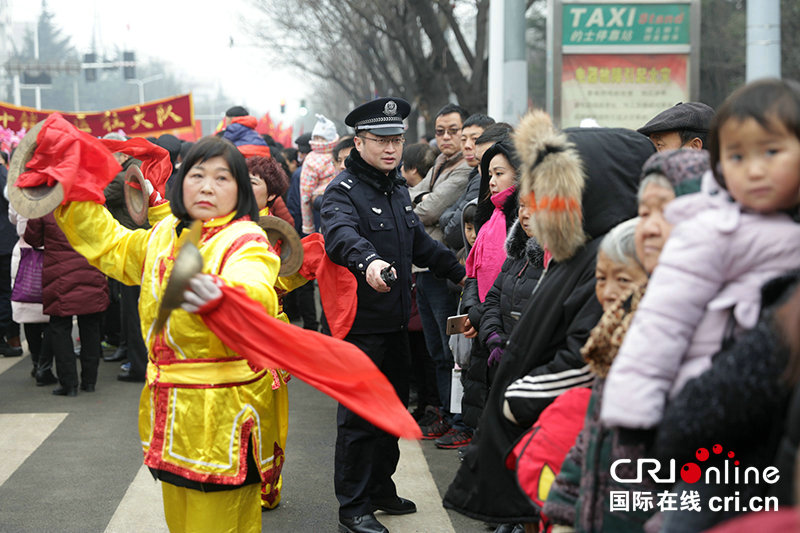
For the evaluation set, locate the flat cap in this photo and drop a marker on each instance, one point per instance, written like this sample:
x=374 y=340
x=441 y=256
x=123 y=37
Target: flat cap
x=382 y=116
x=682 y=116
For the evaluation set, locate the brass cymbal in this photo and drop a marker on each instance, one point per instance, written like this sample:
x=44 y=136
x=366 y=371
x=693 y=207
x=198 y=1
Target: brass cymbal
x=135 y=199
x=31 y=202
x=188 y=262
x=282 y=235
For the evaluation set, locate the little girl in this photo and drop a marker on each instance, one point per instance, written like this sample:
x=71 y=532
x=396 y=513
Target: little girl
x=728 y=241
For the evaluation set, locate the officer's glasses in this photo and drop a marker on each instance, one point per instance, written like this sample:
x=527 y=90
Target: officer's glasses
x=397 y=142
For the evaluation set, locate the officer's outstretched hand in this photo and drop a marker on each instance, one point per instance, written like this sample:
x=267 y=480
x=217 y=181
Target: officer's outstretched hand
x=374 y=275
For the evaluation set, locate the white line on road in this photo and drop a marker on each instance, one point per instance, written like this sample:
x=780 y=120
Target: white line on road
x=141 y=509
x=20 y=435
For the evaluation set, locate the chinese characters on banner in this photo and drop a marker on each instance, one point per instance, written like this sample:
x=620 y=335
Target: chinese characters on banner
x=621 y=90
x=169 y=115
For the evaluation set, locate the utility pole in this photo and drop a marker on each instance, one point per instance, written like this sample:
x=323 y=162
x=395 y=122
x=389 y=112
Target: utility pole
x=763 y=39
x=508 y=68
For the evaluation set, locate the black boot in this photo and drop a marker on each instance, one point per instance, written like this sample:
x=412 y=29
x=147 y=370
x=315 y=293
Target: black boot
x=65 y=391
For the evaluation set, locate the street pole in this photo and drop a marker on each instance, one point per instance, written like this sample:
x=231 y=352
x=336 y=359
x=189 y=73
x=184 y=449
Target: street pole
x=508 y=68
x=141 y=83
x=763 y=39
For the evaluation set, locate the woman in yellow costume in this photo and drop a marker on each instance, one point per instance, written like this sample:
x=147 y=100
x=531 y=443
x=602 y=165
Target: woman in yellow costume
x=211 y=425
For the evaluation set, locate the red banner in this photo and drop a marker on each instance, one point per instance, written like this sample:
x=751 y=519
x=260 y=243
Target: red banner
x=169 y=115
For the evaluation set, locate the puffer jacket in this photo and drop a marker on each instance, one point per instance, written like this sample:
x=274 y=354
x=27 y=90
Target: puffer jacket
x=70 y=285
x=708 y=278
x=501 y=312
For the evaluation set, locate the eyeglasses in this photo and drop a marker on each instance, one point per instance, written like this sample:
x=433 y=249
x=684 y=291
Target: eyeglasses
x=450 y=131
x=394 y=141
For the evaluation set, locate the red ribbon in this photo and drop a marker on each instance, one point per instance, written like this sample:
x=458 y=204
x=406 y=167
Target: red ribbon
x=71 y=157
x=333 y=366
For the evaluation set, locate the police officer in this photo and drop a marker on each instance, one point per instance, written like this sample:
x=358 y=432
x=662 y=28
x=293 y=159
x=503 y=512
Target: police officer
x=370 y=227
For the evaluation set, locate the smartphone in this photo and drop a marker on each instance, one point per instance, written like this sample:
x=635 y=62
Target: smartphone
x=456 y=324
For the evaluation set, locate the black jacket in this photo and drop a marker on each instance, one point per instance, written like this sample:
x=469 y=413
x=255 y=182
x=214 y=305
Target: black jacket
x=367 y=215
x=554 y=326
x=502 y=309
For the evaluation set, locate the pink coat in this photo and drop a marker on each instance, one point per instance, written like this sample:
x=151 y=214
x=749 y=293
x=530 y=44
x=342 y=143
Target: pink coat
x=710 y=271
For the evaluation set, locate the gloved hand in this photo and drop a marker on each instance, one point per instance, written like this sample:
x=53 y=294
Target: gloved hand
x=153 y=196
x=496 y=347
x=494 y=356
x=203 y=289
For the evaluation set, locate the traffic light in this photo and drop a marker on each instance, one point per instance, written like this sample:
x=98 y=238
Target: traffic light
x=129 y=71
x=283 y=107
x=90 y=73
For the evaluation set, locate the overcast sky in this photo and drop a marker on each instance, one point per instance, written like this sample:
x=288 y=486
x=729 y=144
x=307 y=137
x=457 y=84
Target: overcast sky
x=192 y=36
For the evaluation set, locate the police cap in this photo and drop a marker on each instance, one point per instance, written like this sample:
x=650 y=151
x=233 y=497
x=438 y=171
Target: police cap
x=382 y=116
x=694 y=116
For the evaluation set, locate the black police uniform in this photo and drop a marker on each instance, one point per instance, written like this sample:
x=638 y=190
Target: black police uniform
x=368 y=215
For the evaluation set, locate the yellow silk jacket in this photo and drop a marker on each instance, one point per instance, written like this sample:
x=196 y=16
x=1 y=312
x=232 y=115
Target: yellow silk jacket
x=202 y=402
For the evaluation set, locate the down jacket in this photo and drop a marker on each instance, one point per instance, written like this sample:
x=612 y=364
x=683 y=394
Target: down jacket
x=70 y=285
x=502 y=309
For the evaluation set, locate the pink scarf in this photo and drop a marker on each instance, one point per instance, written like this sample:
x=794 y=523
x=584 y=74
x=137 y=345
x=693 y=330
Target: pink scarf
x=485 y=259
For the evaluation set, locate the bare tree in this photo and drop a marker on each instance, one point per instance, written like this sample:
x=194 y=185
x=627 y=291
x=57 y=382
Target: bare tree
x=424 y=50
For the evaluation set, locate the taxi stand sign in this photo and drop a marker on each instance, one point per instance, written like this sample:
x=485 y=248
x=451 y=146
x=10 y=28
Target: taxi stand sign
x=620 y=63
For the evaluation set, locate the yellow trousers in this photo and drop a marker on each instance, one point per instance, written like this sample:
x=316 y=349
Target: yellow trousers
x=227 y=511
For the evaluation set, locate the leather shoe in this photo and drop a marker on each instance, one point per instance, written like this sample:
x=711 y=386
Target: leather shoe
x=65 y=391
x=87 y=387
x=361 y=524
x=45 y=379
x=118 y=355
x=127 y=376
x=396 y=505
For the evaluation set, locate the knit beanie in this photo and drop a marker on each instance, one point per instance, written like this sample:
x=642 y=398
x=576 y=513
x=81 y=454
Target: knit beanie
x=683 y=168
x=325 y=129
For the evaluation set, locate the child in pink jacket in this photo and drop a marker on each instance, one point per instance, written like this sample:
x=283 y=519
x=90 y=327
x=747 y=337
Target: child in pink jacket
x=728 y=240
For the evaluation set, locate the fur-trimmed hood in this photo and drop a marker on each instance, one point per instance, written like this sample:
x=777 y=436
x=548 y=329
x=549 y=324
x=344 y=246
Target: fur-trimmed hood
x=519 y=245
x=580 y=183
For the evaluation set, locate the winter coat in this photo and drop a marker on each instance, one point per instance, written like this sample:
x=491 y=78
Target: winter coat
x=451 y=221
x=242 y=133
x=438 y=190
x=741 y=402
x=580 y=495
x=318 y=171
x=501 y=312
x=485 y=259
x=70 y=285
x=22 y=312
x=542 y=356
x=115 y=197
x=367 y=215
x=709 y=276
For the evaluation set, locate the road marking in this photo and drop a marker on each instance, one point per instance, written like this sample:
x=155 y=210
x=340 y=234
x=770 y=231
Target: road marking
x=21 y=434
x=414 y=481
x=8 y=362
x=141 y=509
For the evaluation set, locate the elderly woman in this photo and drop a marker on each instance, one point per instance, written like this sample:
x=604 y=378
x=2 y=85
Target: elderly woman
x=579 y=499
x=210 y=424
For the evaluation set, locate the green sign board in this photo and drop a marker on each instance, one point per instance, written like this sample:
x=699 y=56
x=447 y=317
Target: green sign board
x=625 y=24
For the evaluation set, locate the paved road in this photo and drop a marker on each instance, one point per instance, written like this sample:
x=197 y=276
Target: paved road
x=75 y=465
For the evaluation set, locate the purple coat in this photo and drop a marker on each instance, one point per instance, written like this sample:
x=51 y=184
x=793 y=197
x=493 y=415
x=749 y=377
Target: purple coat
x=70 y=285
x=709 y=274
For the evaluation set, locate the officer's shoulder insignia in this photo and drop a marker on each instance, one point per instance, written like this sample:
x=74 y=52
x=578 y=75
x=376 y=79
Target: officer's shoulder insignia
x=408 y=208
